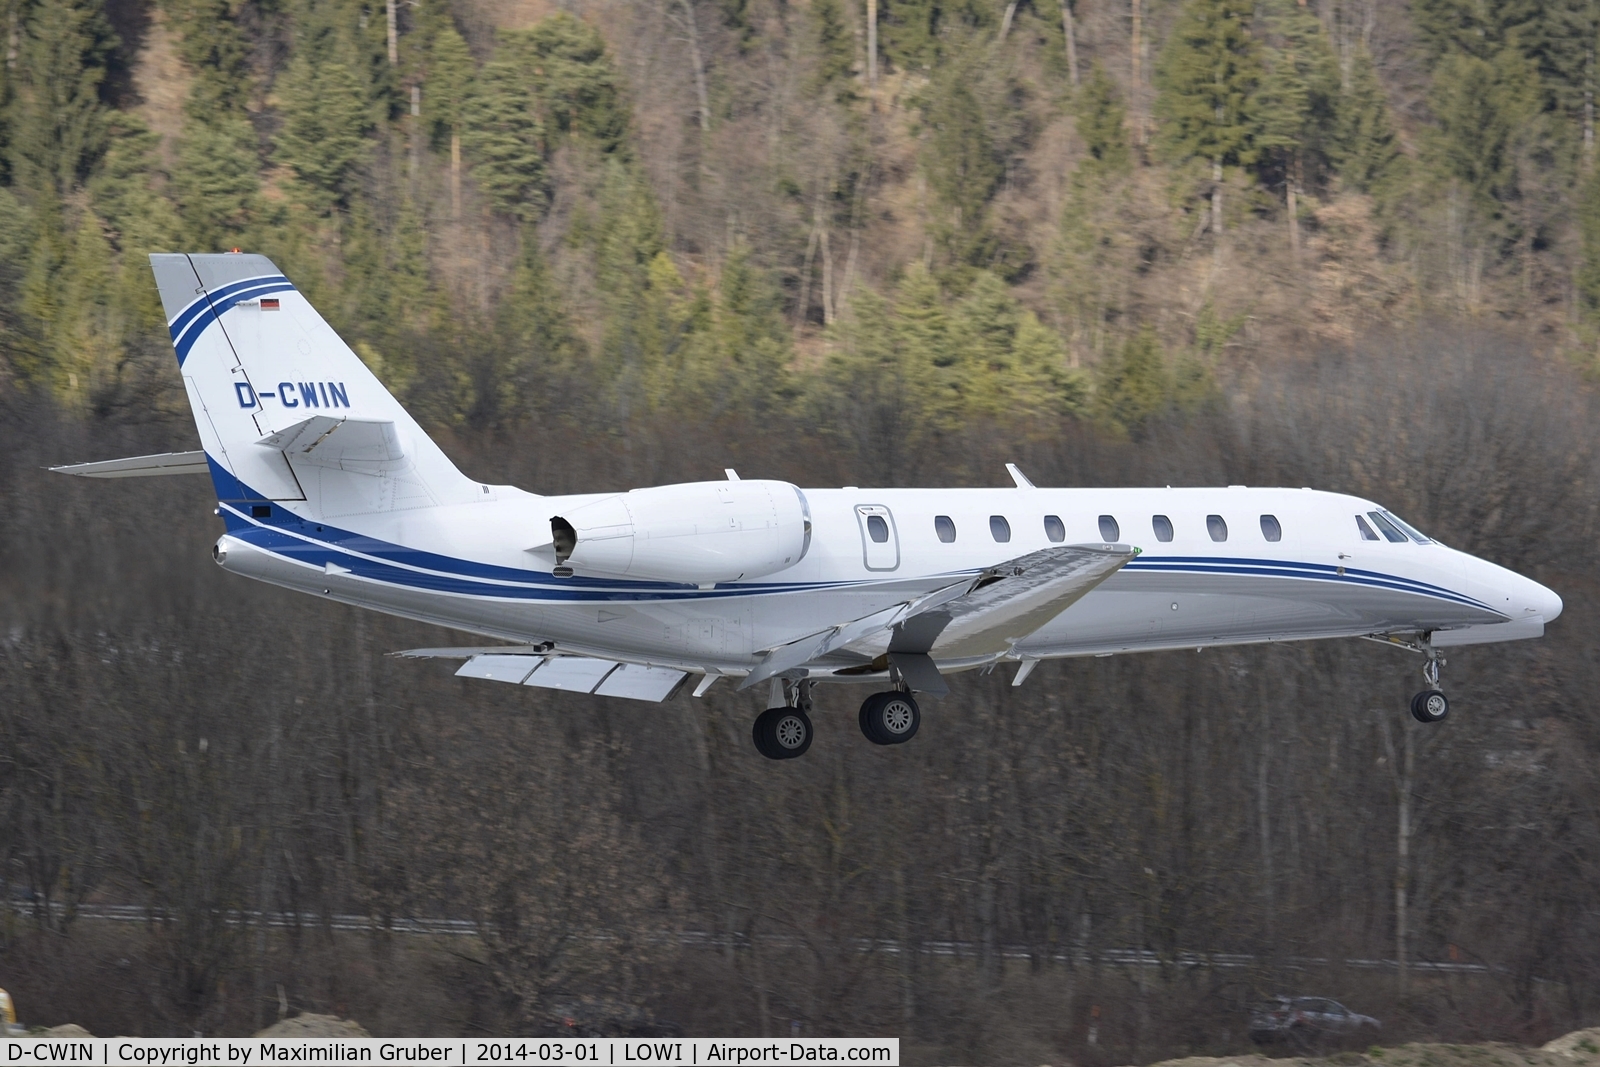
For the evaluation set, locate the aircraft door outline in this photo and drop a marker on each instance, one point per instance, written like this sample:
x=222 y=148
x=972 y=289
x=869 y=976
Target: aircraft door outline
x=880 y=540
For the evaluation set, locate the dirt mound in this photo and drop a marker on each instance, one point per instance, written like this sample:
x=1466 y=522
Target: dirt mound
x=1582 y=1046
x=315 y=1026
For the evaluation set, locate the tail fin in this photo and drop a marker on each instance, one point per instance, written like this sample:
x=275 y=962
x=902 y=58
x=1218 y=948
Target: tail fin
x=286 y=411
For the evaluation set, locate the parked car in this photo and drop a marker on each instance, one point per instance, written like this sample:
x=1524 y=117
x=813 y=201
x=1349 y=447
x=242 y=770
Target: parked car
x=1306 y=1021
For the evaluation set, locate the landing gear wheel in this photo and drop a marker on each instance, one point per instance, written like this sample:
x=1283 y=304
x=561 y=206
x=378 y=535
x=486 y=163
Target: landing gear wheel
x=890 y=718
x=782 y=733
x=1430 y=705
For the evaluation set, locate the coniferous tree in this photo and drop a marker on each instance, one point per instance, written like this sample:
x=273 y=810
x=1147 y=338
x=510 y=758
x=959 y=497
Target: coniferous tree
x=577 y=85
x=325 y=121
x=963 y=166
x=1588 y=278
x=218 y=182
x=835 y=48
x=504 y=137
x=1299 y=96
x=1366 y=149
x=1207 y=80
x=1487 y=113
x=449 y=87
x=58 y=123
x=1101 y=119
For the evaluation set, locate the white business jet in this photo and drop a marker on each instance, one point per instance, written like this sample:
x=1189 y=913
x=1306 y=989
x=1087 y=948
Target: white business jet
x=328 y=487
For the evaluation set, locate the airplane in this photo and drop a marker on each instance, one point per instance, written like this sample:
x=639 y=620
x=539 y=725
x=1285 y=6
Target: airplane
x=326 y=486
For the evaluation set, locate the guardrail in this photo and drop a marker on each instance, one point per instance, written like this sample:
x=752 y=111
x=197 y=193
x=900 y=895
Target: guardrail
x=1110 y=957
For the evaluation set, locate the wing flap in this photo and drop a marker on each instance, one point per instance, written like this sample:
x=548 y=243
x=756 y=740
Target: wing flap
x=140 y=466
x=570 y=674
x=977 y=616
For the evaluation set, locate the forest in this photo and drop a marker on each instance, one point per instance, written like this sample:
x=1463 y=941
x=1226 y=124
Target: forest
x=1353 y=244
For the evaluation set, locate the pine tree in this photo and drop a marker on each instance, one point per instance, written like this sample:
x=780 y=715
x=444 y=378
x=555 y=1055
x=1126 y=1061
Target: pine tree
x=214 y=46
x=1298 y=100
x=1135 y=386
x=1477 y=28
x=1207 y=79
x=325 y=121
x=578 y=88
x=835 y=48
x=58 y=123
x=963 y=167
x=504 y=138
x=449 y=87
x=1366 y=149
x=1487 y=113
x=1588 y=212
x=1101 y=120
x=217 y=183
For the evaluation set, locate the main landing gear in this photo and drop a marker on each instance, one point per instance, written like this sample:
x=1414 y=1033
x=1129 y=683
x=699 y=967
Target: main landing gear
x=890 y=718
x=784 y=731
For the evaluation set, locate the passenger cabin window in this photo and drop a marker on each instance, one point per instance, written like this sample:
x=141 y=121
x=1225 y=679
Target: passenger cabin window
x=877 y=528
x=1162 y=526
x=1000 y=528
x=1270 y=529
x=1216 y=528
x=1109 y=530
x=1054 y=528
x=945 y=528
x=1366 y=531
x=1391 y=532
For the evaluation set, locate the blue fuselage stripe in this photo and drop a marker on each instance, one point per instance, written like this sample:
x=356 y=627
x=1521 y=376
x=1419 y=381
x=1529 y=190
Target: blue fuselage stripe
x=192 y=321
x=384 y=561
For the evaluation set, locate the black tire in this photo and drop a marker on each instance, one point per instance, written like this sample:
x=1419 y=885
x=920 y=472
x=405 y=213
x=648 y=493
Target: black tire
x=1430 y=706
x=782 y=733
x=890 y=718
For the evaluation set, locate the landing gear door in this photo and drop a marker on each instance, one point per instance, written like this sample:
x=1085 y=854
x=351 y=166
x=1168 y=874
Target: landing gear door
x=880 y=541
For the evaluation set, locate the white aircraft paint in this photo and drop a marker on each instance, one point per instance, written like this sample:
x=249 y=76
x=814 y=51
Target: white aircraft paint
x=329 y=487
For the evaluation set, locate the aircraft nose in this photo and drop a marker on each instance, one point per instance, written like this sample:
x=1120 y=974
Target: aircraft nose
x=1544 y=602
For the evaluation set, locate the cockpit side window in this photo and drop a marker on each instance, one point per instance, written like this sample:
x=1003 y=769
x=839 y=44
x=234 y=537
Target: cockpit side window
x=1391 y=532
x=1410 y=531
x=1366 y=531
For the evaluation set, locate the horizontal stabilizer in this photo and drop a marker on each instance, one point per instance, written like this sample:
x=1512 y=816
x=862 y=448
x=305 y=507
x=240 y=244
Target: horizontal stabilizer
x=468 y=653
x=574 y=674
x=366 y=445
x=140 y=466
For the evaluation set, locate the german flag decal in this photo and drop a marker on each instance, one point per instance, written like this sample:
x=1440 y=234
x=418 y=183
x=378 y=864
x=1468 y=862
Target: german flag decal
x=269 y=303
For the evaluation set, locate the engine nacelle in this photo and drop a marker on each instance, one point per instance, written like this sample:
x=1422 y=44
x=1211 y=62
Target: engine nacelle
x=698 y=532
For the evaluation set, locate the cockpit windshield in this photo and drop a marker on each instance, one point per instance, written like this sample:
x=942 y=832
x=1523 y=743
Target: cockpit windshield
x=1410 y=530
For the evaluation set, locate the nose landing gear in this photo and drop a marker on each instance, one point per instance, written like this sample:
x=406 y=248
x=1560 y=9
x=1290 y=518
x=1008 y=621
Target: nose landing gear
x=1431 y=705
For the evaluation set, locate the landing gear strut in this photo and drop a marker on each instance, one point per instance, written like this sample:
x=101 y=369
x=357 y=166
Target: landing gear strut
x=1431 y=705
x=784 y=732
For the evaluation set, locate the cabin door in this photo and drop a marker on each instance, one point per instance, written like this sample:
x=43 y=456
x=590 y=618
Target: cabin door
x=880 y=542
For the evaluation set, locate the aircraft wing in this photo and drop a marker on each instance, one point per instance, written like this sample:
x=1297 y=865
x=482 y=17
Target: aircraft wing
x=979 y=615
x=528 y=665
x=140 y=466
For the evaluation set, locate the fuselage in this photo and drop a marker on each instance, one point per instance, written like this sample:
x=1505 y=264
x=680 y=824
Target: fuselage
x=1216 y=567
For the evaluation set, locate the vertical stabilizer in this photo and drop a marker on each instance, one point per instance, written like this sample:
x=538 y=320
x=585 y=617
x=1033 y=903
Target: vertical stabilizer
x=286 y=411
